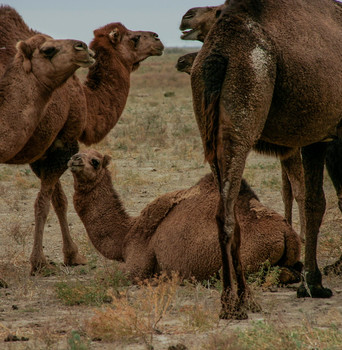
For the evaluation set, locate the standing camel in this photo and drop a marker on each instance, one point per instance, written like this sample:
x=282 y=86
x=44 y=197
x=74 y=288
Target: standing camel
x=177 y=231
x=271 y=72
x=85 y=112
x=196 y=24
x=40 y=66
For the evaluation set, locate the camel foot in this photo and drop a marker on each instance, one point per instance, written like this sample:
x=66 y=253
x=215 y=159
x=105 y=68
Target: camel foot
x=44 y=269
x=289 y=275
x=74 y=259
x=334 y=269
x=313 y=291
x=235 y=308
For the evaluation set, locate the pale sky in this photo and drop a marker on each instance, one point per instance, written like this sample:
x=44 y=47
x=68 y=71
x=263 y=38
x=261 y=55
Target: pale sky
x=76 y=19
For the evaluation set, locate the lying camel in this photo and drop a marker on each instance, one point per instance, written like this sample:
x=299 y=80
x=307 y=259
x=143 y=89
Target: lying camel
x=258 y=77
x=40 y=66
x=85 y=112
x=177 y=231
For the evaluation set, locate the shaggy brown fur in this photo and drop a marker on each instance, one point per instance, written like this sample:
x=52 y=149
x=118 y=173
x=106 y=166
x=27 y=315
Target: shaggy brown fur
x=262 y=78
x=40 y=66
x=76 y=111
x=196 y=24
x=177 y=231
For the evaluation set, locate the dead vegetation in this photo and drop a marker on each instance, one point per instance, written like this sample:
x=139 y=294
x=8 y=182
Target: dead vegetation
x=157 y=149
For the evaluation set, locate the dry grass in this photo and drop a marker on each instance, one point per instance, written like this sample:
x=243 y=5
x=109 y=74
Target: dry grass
x=155 y=148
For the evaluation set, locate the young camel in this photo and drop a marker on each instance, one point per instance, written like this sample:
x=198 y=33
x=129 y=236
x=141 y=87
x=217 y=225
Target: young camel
x=195 y=25
x=85 y=112
x=40 y=66
x=258 y=77
x=177 y=231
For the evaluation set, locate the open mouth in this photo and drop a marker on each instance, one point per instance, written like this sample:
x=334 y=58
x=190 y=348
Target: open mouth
x=189 y=34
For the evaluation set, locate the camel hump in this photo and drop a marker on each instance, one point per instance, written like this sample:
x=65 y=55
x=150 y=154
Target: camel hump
x=152 y=216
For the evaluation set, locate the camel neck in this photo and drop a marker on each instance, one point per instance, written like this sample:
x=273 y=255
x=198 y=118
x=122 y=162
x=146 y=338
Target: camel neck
x=106 y=91
x=101 y=209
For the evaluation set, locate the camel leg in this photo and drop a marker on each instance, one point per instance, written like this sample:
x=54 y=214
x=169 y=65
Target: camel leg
x=313 y=162
x=41 y=211
x=293 y=186
x=49 y=169
x=333 y=164
x=70 y=250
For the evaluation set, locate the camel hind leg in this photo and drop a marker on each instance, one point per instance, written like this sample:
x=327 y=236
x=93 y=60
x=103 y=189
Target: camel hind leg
x=313 y=162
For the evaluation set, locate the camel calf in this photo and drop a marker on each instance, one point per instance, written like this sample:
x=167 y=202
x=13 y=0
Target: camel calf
x=177 y=231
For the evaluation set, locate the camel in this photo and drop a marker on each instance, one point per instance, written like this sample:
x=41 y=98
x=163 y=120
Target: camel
x=177 y=231
x=185 y=62
x=257 y=77
x=85 y=112
x=195 y=25
x=40 y=66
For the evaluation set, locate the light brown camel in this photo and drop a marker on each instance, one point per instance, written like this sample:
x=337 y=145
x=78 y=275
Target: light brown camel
x=40 y=66
x=76 y=111
x=195 y=25
x=177 y=231
x=268 y=71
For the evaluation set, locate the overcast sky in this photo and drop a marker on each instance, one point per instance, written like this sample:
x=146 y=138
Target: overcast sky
x=76 y=19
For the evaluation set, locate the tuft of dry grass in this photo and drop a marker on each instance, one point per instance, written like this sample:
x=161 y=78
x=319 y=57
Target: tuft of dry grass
x=131 y=317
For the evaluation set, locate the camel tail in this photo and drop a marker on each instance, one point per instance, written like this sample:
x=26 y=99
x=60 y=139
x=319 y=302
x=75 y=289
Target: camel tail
x=214 y=71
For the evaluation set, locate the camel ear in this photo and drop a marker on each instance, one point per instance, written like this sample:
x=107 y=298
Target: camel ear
x=26 y=52
x=106 y=161
x=114 y=36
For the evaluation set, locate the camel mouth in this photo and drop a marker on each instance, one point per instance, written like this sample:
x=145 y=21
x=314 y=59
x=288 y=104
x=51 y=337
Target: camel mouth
x=75 y=166
x=190 y=34
x=86 y=63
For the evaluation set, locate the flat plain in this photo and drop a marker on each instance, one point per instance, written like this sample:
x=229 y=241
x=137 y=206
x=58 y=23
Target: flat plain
x=155 y=148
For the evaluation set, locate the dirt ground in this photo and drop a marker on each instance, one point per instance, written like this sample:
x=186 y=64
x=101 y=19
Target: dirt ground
x=155 y=149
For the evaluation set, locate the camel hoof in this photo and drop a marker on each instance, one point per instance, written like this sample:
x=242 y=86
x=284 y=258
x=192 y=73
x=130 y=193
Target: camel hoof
x=75 y=260
x=233 y=314
x=334 y=269
x=313 y=292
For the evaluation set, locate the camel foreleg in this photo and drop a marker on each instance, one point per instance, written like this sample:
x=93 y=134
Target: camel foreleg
x=70 y=251
x=293 y=186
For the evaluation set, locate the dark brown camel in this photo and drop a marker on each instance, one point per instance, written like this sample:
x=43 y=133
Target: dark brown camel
x=271 y=72
x=77 y=111
x=40 y=66
x=177 y=231
x=195 y=25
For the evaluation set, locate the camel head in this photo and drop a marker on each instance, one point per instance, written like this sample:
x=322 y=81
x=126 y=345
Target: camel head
x=88 y=167
x=185 y=62
x=197 y=22
x=52 y=61
x=131 y=47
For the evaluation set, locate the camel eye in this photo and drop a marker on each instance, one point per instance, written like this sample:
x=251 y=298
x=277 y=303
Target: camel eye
x=136 y=40
x=218 y=13
x=95 y=163
x=49 y=51
x=188 y=15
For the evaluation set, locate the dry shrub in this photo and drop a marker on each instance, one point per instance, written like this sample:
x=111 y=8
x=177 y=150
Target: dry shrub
x=135 y=317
